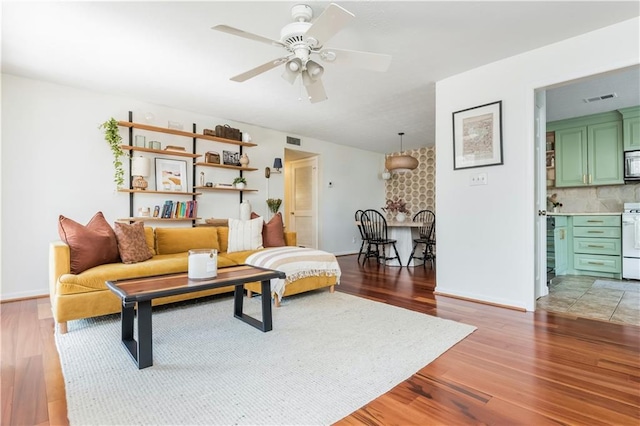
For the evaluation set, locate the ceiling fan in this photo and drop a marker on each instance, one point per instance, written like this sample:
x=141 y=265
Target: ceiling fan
x=302 y=39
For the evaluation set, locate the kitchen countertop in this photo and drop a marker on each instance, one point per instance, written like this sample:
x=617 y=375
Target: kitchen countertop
x=583 y=214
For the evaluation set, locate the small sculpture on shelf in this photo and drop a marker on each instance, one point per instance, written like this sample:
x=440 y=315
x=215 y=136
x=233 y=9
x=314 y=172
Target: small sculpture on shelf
x=244 y=160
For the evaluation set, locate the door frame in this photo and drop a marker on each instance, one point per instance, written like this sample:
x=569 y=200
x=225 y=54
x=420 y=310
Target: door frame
x=292 y=157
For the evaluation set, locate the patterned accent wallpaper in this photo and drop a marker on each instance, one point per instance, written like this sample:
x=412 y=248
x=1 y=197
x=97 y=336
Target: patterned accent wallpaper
x=417 y=187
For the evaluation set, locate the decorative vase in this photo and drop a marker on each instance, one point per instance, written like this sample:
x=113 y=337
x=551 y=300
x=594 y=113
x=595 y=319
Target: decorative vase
x=244 y=160
x=245 y=210
x=401 y=217
x=555 y=210
x=239 y=185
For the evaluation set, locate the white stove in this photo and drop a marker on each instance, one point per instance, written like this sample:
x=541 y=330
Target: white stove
x=631 y=241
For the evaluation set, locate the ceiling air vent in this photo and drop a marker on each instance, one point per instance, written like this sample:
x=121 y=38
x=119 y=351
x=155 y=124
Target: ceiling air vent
x=293 y=141
x=600 y=98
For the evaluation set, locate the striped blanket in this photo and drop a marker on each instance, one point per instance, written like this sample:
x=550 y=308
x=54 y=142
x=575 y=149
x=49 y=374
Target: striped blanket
x=296 y=262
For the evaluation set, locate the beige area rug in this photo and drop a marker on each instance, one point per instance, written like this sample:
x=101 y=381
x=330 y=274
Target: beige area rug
x=328 y=355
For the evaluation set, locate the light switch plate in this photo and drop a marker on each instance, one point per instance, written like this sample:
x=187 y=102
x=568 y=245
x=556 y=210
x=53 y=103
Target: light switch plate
x=479 y=179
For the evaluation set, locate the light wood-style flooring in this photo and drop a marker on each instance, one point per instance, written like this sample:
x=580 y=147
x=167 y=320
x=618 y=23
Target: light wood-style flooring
x=516 y=368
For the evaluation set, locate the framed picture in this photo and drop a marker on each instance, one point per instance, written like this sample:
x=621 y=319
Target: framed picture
x=171 y=175
x=231 y=158
x=477 y=136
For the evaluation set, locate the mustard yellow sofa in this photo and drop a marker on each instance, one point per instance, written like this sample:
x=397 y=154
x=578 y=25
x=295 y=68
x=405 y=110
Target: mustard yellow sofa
x=85 y=295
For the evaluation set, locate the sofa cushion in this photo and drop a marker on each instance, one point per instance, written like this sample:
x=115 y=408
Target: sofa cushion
x=95 y=278
x=91 y=245
x=181 y=240
x=132 y=243
x=223 y=238
x=245 y=234
x=150 y=236
x=272 y=231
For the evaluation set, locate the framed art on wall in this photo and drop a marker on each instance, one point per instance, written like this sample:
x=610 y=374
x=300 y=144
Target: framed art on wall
x=477 y=136
x=171 y=175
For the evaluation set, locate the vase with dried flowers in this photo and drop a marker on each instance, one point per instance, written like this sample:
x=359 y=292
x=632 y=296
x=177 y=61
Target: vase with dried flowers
x=396 y=208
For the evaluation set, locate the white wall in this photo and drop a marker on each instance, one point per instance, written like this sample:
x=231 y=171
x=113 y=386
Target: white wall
x=55 y=161
x=485 y=234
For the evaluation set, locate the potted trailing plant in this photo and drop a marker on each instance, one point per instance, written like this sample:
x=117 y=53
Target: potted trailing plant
x=113 y=138
x=274 y=204
x=239 y=182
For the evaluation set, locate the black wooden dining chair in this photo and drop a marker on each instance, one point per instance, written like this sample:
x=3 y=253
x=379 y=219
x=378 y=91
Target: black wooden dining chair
x=375 y=230
x=427 y=238
x=363 y=237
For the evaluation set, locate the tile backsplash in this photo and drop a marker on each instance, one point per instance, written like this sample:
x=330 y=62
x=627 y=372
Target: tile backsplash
x=596 y=199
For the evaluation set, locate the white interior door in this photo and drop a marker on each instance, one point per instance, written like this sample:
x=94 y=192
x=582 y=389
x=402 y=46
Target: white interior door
x=302 y=207
x=540 y=194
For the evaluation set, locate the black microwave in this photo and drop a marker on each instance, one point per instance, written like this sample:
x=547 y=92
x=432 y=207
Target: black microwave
x=632 y=165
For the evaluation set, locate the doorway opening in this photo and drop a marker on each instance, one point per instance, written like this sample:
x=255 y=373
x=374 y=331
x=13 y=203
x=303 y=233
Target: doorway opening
x=578 y=294
x=301 y=196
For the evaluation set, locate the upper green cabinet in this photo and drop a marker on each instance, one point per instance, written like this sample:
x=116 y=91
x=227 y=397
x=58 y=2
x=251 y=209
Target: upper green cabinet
x=589 y=150
x=631 y=127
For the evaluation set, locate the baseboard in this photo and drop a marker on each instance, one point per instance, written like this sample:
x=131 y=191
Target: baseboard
x=483 y=302
x=23 y=297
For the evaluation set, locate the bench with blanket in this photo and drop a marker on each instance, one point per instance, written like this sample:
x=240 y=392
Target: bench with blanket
x=306 y=269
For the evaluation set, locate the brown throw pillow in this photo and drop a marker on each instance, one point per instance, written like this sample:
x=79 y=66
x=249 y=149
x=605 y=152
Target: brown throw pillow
x=132 y=243
x=91 y=245
x=273 y=232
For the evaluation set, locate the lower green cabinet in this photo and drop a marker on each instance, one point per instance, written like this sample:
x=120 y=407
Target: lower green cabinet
x=596 y=247
x=560 y=245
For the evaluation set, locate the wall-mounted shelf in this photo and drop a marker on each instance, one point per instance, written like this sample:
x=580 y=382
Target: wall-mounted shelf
x=182 y=133
x=158 y=219
x=226 y=166
x=213 y=188
x=146 y=191
x=160 y=151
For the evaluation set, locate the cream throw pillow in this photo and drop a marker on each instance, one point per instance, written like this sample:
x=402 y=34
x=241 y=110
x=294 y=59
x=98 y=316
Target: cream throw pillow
x=245 y=234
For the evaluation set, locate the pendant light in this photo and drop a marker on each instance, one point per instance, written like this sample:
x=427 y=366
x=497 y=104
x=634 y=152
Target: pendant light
x=400 y=163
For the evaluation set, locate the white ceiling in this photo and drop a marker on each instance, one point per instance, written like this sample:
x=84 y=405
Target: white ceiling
x=166 y=53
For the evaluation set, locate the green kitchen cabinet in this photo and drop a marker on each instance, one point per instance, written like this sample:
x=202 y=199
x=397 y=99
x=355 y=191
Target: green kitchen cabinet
x=560 y=245
x=595 y=245
x=589 y=150
x=631 y=127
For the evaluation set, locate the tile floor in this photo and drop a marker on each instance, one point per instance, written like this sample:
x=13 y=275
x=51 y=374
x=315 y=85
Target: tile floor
x=593 y=297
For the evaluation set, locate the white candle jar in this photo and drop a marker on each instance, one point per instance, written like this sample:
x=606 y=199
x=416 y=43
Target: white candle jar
x=203 y=264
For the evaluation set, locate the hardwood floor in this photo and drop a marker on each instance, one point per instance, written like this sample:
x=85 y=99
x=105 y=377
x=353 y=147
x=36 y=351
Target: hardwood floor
x=516 y=368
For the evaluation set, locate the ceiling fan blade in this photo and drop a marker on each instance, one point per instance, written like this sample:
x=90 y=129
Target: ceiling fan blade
x=332 y=20
x=316 y=92
x=366 y=60
x=259 y=69
x=240 y=33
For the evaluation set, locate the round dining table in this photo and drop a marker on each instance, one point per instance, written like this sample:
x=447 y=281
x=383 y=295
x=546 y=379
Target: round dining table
x=403 y=233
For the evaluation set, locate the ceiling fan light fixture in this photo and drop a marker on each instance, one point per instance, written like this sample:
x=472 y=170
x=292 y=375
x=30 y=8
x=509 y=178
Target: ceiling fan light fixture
x=315 y=70
x=400 y=163
x=294 y=65
x=291 y=70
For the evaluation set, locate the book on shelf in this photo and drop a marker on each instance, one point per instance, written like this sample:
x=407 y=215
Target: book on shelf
x=179 y=209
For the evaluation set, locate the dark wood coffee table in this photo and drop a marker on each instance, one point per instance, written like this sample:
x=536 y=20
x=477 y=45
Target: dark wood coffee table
x=141 y=291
